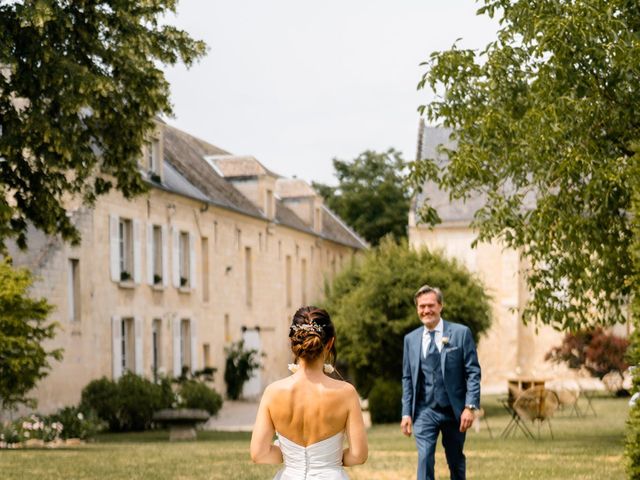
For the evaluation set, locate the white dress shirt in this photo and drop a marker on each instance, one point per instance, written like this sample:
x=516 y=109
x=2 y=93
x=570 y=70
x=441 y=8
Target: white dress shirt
x=426 y=338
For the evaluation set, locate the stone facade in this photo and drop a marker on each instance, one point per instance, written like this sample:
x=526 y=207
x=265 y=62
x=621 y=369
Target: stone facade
x=172 y=277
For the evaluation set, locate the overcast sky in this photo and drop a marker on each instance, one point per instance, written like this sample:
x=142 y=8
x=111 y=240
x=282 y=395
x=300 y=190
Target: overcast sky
x=296 y=83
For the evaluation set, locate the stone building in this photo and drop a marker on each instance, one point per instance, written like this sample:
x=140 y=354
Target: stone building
x=510 y=348
x=219 y=249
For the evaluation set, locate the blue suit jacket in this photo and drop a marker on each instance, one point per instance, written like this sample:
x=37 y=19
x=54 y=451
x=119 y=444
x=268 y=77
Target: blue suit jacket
x=460 y=368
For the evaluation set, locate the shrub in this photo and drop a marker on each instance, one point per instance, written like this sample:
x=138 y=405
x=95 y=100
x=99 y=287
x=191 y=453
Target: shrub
x=239 y=366
x=196 y=394
x=75 y=423
x=595 y=350
x=101 y=397
x=385 y=401
x=129 y=403
x=371 y=303
x=33 y=427
x=138 y=399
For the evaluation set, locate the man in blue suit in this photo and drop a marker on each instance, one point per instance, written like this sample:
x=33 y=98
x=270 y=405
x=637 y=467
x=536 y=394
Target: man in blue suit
x=440 y=385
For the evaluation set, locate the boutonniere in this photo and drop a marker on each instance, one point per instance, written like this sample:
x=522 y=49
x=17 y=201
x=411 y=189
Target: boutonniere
x=445 y=341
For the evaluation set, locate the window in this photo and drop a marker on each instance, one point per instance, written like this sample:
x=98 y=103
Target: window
x=238 y=238
x=157 y=255
x=260 y=241
x=227 y=329
x=206 y=355
x=74 y=290
x=248 y=276
x=156 y=346
x=152 y=156
x=287 y=273
x=185 y=344
x=205 y=269
x=127 y=344
x=184 y=259
x=317 y=220
x=303 y=280
x=269 y=204
x=125 y=239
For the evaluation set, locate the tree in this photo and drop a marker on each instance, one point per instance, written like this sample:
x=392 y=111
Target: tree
x=371 y=304
x=596 y=351
x=80 y=86
x=372 y=195
x=23 y=328
x=544 y=119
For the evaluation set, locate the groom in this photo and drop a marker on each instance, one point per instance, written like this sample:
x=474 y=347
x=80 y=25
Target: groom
x=440 y=385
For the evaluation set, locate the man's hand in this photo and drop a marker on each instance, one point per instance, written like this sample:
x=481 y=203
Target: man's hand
x=406 y=426
x=466 y=419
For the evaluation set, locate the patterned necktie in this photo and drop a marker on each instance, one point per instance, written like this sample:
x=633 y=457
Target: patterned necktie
x=432 y=345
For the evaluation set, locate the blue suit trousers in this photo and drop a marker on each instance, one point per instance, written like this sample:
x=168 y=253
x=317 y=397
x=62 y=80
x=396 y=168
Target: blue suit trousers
x=429 y=422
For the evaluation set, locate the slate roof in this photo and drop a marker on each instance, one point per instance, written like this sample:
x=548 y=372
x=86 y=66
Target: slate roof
x=195 y=168
x=457 y=211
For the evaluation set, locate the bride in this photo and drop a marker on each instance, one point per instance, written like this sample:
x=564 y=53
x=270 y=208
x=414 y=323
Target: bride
x=310 y=412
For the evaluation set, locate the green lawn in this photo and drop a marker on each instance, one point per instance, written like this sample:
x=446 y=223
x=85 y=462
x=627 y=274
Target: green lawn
x=583 y=448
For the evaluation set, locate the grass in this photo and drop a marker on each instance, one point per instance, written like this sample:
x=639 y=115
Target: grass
x=583 y=449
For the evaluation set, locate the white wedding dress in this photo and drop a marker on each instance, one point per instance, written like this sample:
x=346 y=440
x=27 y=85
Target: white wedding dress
x=319 y=461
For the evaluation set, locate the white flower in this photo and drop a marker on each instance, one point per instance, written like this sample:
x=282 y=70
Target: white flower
x=634 y=399
x=80 y=416
x=293 y=367
x=445 y=340
x=328 y=368
x=26 y=426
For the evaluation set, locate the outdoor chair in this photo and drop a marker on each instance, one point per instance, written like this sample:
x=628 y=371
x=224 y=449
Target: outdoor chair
x=537 y=404
x=568 y=395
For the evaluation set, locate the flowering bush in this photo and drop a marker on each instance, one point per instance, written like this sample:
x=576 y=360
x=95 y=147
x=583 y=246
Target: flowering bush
x=32 y=427
x=68 y=422
x=76 y=423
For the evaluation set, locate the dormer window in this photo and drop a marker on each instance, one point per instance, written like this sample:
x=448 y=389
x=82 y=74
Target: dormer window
x=152 y=159
x=317 y=220
x=268 y=210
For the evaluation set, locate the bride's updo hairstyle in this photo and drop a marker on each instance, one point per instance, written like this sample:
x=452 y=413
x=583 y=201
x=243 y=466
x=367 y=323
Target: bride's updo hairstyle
x=311 y=329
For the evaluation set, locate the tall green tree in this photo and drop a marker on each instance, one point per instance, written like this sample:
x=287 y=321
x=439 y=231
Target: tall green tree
x=372 y=195
x=371 y=304
x=80 y=85
x=23 y=328
x=544 y=118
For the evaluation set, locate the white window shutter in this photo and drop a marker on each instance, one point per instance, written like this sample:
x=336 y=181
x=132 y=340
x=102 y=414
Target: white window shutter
x=138 y=345
x=175 y=259
x=114 y=247
x=192 y=261
x=194 y=345
x=137 y=251
x=150 y=254
x=177 y=367
x=165 y=256
x=116 y=346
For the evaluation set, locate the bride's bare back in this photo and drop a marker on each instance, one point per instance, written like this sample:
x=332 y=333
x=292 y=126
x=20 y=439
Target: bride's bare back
x=307 y=410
